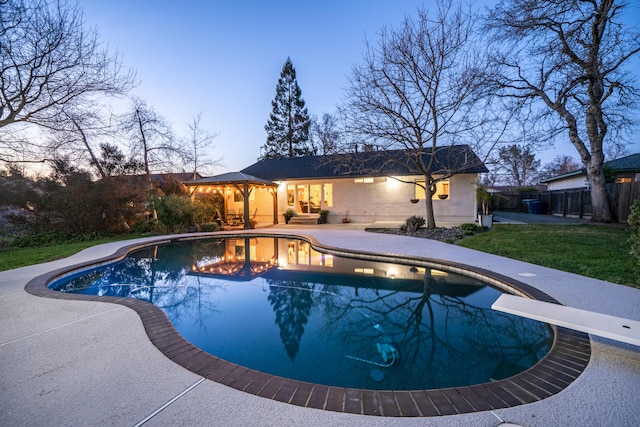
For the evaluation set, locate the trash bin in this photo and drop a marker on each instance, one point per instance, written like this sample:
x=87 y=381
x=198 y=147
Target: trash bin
x=527 y=205
x=536 y=207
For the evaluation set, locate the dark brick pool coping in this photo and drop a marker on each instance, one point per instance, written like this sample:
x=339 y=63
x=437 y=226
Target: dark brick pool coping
x=567 y=359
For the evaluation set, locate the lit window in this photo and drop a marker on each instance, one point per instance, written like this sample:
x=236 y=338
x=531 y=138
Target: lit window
x=442 y=190
x=290 y=190
x=311 y=198
x=328 y=195
x=328 y=260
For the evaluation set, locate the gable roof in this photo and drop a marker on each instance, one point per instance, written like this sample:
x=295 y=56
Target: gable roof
x=459 y=158
x=229 y=178
x=627 y=164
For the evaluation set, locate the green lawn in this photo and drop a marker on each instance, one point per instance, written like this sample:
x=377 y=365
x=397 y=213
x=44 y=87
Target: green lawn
x=20 y=257
x=589 y=250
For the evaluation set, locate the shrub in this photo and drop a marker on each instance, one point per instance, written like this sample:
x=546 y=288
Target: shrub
x=204 y=208
x=470 y=227
x=413 y=223
x=174 y=212
x=144 y=225
x=209 y=227
x=70 y=202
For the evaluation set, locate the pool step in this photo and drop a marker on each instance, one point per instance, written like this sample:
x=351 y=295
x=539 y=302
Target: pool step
x=603 y=325
x=304 y=220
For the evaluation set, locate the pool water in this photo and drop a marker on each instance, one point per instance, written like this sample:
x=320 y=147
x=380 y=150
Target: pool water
x=278 y=306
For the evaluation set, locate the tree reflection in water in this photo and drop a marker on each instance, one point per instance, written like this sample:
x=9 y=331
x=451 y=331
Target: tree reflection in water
x=235 y=301
x=291 y=302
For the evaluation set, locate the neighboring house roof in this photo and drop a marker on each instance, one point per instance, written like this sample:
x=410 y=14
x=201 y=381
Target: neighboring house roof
x=514 y=188
x=180 y=176
x=229 y=178
x=627 y=164
x=457 y=158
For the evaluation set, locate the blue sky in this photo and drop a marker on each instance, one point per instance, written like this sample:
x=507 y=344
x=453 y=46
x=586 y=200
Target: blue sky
x=223 y=58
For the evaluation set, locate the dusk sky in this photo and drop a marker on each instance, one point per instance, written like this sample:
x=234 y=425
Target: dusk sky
x=224 y=58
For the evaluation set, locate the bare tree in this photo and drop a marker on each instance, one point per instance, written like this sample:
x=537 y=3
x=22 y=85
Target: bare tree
x=152 y=141
x=80 y=137
x=519 y=163
x=560 y=165
x=419 y=90
x=199 y=142
x=48 y=63
x=325 y=133
x=566 y=59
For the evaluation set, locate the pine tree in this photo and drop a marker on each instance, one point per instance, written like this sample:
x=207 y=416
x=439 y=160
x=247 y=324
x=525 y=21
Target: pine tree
x=288 y=124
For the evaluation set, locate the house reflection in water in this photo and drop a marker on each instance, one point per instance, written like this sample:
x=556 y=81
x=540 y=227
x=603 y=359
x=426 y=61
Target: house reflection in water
x=242 y=258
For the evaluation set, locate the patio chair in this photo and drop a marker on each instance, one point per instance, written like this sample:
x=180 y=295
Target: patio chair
x=219 y=218
x=232 y=218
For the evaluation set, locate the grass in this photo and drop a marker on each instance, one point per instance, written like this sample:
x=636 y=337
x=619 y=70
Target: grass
x=21 y=257
x=589 y=250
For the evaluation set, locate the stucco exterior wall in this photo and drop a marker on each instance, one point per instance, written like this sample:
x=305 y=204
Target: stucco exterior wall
x=388 y=200
x=571 y=182
x=261 y=206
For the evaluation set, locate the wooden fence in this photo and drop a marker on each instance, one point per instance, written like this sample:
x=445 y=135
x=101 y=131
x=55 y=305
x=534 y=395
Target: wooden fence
x=570 y=202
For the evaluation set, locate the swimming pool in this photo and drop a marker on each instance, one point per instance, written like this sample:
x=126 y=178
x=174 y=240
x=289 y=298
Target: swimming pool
x=565 y=361
x=278 y=306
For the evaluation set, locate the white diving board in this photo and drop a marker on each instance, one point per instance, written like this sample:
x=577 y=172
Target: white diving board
x=603 y=325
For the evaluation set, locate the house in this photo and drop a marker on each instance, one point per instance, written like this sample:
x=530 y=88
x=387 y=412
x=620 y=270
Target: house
x=366 y=187
x=626 y=169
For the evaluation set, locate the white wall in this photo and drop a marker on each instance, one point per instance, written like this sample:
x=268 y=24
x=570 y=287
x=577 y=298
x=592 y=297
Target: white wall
x=386 y=199
x=572 y=182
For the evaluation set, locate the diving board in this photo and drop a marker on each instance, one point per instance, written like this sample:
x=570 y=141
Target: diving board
x=603 y=325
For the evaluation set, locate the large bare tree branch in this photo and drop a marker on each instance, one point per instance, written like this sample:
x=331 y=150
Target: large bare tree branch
x=569 y=56
x=50 y=63
x=420 y=90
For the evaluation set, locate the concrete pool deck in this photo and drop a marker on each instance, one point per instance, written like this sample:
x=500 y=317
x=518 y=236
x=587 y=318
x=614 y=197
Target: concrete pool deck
x=91 y=363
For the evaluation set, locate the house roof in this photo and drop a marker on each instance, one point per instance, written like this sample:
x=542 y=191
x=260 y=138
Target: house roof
x=179 y=176
x=625 y=164
x=458 y=158
x=229 y=178
x=628 y=164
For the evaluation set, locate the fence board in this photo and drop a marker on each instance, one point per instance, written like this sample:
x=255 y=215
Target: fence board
x=571 y=202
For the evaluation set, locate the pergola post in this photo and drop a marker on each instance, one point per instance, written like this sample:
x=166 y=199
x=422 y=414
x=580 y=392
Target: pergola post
x=274 y=194
x=245 y=195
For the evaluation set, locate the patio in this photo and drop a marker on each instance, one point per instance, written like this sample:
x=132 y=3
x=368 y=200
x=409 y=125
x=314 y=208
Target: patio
x=70 y=362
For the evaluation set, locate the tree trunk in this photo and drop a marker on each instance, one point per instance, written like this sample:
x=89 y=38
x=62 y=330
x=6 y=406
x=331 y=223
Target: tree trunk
x=593 y=162
x=599 y=196
x=428 y=202
x=94 y=159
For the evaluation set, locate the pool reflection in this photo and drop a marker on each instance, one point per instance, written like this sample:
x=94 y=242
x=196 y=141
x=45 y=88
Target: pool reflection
x=279 y=306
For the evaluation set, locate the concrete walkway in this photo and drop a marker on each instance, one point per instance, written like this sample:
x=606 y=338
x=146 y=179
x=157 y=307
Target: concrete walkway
x=88 y=363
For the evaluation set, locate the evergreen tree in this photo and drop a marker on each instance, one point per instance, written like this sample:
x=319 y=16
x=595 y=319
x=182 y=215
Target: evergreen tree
x=288 y=124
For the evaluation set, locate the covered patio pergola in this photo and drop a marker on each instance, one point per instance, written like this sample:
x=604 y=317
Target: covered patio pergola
x=231 y=185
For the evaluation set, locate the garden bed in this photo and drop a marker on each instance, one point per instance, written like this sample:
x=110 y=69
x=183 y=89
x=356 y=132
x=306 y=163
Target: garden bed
x=447 y=235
